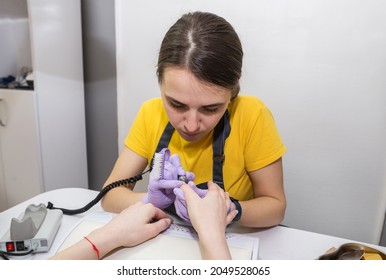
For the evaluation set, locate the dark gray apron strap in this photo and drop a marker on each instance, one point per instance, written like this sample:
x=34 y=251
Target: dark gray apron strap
x=165 y=137
x=221 y=133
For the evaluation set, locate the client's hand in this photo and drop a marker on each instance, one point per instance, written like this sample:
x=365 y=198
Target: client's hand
x=134 y=225
x=180 y=202
x=164 y=177
x=210 y=216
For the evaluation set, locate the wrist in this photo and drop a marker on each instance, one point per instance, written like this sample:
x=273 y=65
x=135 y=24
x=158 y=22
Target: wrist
x=237 y=205
x=94 y=247
x=214 y=246
x=103 y=241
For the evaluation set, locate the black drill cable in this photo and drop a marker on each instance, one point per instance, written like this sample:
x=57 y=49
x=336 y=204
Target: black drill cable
x=99 y=196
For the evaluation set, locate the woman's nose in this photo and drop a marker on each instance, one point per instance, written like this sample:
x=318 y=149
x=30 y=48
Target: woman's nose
x=192 y=122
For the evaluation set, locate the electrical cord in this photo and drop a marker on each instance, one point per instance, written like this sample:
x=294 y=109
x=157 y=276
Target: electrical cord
x=100 y=195
x=4 y=254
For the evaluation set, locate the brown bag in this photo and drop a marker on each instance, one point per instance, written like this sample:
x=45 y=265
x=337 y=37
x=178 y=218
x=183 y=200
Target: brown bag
x=353 y=251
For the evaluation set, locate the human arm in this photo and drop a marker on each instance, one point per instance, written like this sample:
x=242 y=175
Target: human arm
x=267 y=207
x=128 y=164
x=210 y=216
x=134 y=225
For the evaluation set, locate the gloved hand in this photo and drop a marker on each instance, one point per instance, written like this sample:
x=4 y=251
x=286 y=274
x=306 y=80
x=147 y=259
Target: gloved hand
x=180 y=202
x=163 y=179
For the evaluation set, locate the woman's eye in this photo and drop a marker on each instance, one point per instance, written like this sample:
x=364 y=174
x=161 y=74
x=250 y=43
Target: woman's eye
x=211 y=109
x=177 y=105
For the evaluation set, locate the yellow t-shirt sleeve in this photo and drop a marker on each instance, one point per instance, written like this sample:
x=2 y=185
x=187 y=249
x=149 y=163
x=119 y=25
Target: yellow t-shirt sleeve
x=269 y=145
x=258 y=134
x=147 y=128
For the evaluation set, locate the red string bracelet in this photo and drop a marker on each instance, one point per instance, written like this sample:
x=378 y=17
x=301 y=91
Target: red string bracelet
x=93 y=246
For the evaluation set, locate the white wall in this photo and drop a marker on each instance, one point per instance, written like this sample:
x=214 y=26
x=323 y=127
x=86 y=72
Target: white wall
x=100 y=84
x=320 y=66
x=16 y=53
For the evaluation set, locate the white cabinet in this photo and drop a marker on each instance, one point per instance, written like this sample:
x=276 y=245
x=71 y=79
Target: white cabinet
x=19 y=145
x=43 y=137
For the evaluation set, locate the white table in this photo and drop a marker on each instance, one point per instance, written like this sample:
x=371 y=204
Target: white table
x=277 y=243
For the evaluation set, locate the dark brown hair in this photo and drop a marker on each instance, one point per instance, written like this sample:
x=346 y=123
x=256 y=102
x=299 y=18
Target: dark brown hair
x=207 y=46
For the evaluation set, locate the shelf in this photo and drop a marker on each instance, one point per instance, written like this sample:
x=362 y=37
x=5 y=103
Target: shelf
x=8 y=90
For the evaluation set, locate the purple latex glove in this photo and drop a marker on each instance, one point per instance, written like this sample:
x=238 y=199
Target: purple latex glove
x=163 y=179
x=180 y=202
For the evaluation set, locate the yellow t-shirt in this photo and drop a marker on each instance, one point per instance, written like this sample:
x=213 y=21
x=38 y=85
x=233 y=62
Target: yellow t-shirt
x=254 y=142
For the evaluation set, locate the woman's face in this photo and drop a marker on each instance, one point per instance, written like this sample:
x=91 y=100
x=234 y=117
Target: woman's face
x=193 y=107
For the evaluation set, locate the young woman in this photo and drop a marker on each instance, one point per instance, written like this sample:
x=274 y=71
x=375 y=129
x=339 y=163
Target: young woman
x=217 y=133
